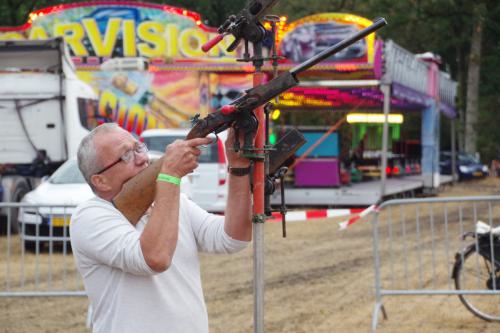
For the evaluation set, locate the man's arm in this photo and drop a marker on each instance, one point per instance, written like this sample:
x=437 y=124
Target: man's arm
x=238 y=219
x=159 y=238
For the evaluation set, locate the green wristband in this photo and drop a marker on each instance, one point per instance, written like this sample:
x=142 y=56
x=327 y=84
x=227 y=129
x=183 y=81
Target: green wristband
x=163 y=177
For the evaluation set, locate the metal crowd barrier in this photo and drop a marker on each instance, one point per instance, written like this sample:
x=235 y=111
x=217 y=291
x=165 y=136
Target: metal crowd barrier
x=37 y=260
x=415 y=242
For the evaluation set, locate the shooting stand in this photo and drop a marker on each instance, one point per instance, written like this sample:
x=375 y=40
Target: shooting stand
x=247 y=27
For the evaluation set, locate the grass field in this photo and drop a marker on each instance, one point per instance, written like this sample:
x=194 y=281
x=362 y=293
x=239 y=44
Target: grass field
x=318 y=279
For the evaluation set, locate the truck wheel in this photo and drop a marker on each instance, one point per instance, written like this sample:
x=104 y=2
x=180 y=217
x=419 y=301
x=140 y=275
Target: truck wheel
x=21 y=189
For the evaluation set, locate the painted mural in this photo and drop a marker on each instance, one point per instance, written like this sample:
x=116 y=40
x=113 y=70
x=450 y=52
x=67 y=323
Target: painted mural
x=138 y=100
x=227 y=87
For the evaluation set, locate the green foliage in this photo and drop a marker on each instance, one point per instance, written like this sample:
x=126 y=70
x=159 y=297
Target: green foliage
x=15 y=12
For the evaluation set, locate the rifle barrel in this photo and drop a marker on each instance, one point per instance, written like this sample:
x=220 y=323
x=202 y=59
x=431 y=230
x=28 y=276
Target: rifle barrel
x=379 y=23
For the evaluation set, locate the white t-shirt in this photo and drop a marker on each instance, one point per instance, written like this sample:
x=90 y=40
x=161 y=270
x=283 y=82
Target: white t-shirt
x=126 y=294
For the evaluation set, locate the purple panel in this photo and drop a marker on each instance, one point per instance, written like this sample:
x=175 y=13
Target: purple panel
x=410 y=96
x=317 y=173
x=448 y=110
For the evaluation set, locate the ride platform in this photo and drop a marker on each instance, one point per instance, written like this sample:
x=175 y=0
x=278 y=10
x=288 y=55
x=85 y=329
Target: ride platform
x=354 y=195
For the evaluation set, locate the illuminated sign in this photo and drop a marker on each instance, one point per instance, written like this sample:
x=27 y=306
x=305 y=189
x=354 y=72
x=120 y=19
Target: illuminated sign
x=374 y=118
x=306 y=37
x=122 y=29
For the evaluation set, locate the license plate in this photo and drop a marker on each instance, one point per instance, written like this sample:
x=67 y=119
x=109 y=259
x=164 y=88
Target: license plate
x=477 y=174
x=60 y=221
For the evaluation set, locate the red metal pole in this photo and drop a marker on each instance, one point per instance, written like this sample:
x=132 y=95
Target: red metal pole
x=259 y=171
x=258 y=214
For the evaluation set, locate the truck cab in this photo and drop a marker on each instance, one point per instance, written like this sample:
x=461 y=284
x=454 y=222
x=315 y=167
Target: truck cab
x=43 y=107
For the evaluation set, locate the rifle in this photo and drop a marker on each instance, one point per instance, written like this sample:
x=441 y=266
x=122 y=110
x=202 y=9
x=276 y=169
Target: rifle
x=138 y=193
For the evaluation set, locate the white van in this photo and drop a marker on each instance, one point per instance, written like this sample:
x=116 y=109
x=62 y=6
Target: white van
x=209 y=180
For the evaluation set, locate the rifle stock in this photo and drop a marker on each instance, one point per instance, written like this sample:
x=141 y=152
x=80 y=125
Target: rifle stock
x=138 y=193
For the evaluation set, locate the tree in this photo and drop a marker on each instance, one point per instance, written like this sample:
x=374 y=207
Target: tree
x=473 y=79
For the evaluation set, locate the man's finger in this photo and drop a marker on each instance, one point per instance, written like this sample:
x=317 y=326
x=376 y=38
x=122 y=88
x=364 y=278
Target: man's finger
x=198 y=142
x=195 y=151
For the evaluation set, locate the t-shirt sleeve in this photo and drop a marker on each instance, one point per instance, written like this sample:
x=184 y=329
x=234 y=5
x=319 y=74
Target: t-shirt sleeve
x=102 y=234
x=209 y=230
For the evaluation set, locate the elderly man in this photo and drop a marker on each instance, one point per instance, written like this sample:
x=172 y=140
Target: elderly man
x=146 y=278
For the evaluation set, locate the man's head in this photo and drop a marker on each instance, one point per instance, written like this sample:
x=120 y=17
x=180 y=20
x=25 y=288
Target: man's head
x=108 y=157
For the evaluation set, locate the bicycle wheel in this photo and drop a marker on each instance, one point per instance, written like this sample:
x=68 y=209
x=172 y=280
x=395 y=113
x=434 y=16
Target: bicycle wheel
x=472 y=272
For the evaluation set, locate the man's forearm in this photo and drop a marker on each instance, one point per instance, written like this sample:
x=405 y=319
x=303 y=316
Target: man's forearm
x=159 y=238
x=238 y=220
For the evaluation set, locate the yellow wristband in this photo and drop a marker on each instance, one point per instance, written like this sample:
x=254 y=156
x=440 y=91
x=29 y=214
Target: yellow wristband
x=163 y=177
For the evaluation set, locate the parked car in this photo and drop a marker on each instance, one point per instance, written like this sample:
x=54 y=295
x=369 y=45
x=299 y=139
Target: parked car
x=48 y=220
x=42 y=224
x=467 y=166
x=209 y=186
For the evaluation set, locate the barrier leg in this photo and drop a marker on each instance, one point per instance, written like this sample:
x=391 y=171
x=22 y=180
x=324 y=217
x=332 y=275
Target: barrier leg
x=88 y=321
x=376 y=311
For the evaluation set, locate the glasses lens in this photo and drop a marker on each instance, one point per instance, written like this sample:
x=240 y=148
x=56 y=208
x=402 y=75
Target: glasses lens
x=128 y=156
x=140 y=148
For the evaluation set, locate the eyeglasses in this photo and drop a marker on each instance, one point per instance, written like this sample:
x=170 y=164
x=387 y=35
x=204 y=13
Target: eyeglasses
x=128 y=156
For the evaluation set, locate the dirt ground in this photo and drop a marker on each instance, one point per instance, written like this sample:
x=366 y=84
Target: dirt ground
x=318 y=279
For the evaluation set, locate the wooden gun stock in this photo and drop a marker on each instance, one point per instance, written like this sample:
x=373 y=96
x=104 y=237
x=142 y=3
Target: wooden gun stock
x=138 y=193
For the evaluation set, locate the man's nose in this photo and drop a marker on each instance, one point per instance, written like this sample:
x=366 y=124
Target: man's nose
x=140 y=158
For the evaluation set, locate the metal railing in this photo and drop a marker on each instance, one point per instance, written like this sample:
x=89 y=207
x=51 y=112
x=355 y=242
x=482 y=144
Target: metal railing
x=35 y=253
x=417 y=243
x=447 y=89
x=403 y=67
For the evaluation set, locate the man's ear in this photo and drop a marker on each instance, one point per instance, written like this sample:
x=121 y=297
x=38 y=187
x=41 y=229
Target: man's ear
x=100 y=183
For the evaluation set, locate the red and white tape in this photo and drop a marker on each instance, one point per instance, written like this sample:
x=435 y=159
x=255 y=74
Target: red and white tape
x=296 y=216
x=343 y=225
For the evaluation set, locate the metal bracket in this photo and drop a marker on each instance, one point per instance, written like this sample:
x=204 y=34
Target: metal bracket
x=259 y=218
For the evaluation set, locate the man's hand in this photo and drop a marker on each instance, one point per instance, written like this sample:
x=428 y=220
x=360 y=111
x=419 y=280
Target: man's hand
x=181 y=156
x=234 y=159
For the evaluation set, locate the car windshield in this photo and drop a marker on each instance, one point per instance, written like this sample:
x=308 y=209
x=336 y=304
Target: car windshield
x=466 y=158
x=158 y=143
x=68 y=173
x=462 y=158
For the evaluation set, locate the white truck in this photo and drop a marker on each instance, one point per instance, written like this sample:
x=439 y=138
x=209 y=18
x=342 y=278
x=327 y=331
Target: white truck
x=45 y=111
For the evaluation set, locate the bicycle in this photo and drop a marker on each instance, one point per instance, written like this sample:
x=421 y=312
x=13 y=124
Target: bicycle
x=477 y=272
